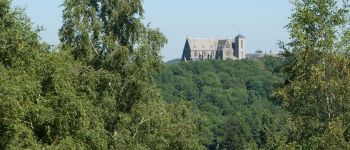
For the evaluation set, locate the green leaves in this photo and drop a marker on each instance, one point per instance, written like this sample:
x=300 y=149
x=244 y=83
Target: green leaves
x=315 y=63
x=96 y=91
x=230 y=99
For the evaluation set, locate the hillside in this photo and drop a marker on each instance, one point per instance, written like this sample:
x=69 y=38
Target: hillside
x=231 y=100
x=174 y=61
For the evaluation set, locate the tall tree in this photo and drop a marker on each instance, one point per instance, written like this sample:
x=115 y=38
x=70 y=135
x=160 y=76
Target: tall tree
x=39 y=106
x=94 y=92
x=316 y=90
x=120 y=55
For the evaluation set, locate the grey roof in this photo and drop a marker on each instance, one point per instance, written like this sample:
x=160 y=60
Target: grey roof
x=207 y=43
x=222 y=42
x=240 y=36
x=202 y=44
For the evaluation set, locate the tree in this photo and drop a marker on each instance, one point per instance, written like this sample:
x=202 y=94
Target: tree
x=113 y=45
x=39 y=107
x=316 y=64
x=231 y=98
x=95 y=91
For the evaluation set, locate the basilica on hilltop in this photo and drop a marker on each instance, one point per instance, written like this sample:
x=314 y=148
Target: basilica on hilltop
x=197 y=49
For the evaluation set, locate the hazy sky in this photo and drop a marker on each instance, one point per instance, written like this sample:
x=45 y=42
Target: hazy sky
x=260 y=21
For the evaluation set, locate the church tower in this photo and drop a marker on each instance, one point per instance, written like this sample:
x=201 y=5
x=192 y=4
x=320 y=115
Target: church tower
x=240 y=46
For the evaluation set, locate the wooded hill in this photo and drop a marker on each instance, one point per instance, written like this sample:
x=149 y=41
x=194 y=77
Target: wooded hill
x=104 y=86
x=232 y=100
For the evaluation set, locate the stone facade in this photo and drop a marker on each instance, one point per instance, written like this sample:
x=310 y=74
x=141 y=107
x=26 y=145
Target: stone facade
x=209 y=48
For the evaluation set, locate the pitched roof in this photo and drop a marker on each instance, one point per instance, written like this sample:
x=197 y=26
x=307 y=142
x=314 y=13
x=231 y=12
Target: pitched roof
x=202 y=44
x=208 y=43
x=222 y=42
x=240 y=36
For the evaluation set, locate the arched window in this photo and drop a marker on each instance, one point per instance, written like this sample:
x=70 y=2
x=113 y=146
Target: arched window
x=241 y=44
x=195 y=53
x=228 y=45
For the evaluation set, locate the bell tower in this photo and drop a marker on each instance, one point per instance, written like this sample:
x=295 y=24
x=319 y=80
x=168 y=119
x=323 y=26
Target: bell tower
x=240 y=46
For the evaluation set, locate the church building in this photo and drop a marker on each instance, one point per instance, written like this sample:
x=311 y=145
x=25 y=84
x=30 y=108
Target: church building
x=197 y=49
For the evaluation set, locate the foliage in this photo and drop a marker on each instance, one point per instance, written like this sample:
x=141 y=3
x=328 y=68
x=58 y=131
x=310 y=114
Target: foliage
x=233 y=98
x=104 y=86
x=316 y=91
x=95 y=90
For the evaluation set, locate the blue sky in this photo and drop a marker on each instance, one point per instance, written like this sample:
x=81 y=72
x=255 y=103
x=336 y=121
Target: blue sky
x=260 y=21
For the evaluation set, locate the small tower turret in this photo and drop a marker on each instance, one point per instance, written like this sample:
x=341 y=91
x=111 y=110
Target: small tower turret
x=240 y=46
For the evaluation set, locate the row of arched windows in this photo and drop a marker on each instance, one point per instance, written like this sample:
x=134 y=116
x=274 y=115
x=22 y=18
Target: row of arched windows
x=204 y=54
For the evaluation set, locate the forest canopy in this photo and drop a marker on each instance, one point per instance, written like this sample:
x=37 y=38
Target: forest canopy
x=104 y=86
x=93 y=91
x=232 y=98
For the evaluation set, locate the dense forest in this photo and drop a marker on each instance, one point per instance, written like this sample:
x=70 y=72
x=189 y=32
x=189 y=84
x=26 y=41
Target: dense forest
x=104 y=86
x=93 y=91
x=231 y=99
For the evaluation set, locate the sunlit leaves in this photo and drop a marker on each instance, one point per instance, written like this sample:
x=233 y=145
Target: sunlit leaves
x=316 y=68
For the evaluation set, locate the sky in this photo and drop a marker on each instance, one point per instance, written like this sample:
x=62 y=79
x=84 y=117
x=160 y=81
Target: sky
x=262 y=22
